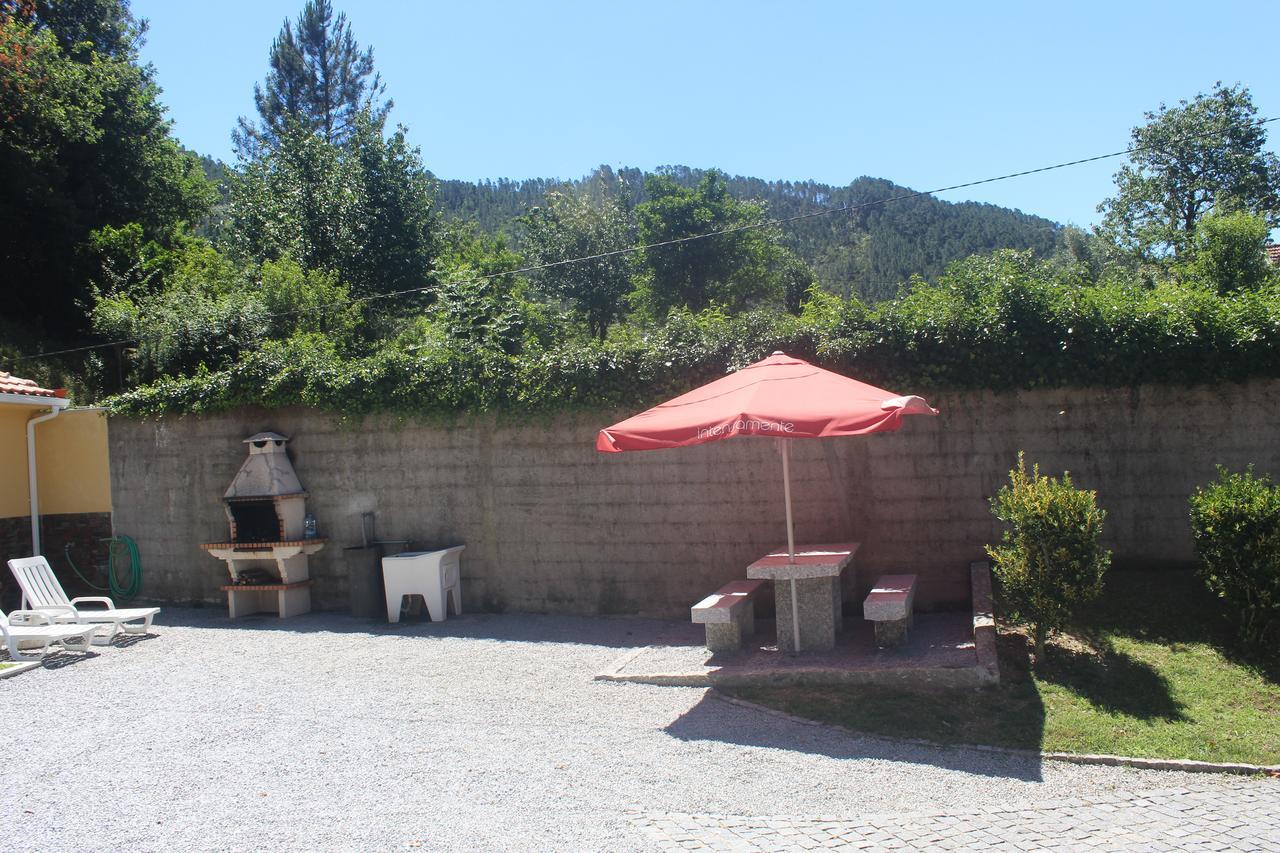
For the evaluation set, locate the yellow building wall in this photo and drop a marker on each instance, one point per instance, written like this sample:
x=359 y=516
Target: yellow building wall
x=13 y=460
x=71 y=462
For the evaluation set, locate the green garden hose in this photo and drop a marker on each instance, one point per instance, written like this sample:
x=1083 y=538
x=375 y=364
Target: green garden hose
x=125 y=581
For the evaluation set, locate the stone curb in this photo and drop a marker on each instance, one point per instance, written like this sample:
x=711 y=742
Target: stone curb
x=18 y=666
x=1185 y=765
x=984 y=623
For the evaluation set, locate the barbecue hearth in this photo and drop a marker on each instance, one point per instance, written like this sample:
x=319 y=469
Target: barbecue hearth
x=267 y=554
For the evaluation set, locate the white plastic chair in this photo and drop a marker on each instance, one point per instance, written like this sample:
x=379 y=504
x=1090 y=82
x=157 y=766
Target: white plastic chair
x=41 y=591
x=36 y=631
x=435 y=575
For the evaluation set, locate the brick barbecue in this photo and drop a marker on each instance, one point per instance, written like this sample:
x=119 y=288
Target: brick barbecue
x=267 y=553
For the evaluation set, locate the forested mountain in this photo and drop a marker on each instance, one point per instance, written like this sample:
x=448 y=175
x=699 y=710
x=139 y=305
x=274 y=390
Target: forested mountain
x=868 y=250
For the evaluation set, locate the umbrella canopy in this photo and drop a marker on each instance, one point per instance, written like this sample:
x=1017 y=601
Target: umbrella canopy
x=780 y=397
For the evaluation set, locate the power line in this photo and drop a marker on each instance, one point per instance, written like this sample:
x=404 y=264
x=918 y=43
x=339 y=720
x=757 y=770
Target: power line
x=677 y=240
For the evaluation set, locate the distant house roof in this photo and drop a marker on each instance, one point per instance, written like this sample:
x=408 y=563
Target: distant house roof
x=10 y=384
x=1273 y=255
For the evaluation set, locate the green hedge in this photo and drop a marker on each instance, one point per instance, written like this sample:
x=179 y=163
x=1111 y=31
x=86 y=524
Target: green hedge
x=1001 y=322
x=1236 y=525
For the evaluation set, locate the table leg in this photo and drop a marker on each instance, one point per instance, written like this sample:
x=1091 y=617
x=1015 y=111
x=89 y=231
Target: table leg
x=811 y=614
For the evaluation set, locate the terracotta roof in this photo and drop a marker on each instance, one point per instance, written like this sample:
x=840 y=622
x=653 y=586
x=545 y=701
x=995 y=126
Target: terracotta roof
x=1273 y=255
x=10 y=384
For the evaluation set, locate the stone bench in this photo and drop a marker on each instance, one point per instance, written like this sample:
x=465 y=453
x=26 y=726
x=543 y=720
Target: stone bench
x=728 y=614
x=889 y=607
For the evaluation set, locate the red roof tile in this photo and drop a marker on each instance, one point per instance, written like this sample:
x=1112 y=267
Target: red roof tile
x=1273 y=255
x=10 y=384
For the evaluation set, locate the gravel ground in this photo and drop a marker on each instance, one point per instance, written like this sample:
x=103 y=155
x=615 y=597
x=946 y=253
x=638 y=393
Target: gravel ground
x=323 y=731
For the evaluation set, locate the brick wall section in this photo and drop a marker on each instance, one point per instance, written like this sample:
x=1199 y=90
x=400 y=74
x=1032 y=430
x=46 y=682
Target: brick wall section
x=15 y=540
x=553 y=526
x=83 y=530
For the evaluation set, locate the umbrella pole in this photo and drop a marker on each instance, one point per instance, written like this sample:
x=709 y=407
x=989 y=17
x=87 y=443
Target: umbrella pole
x=791 y=538
x=786 y=495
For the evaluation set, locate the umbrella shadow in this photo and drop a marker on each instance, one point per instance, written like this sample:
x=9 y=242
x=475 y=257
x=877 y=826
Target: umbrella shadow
x=714 y=719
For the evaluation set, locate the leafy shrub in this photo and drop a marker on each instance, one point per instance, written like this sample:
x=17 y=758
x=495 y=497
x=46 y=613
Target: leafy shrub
x=1236 y=525
x=1229 y=251
x=1000 y=322
x=1049 y=562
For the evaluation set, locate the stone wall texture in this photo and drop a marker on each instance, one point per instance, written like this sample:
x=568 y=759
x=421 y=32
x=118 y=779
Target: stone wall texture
x=551 y=525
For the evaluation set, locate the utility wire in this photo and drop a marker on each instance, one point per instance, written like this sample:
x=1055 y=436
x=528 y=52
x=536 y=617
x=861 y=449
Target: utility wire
x=848 y=208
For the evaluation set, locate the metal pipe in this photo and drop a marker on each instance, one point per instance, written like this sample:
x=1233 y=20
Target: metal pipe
x=791 y=538
x=786 y=494
x=33 y=488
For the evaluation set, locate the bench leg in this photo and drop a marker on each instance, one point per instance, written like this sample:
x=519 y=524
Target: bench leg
x=724 y=636
x=893 y=632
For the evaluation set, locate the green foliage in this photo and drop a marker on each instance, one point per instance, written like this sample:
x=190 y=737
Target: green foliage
x=740 y=266
x=84 y=27
x=1006 y=320
x=480 y=305
x=207 y=314
x=362 y=209
x=1001 y=321
x=319 y=80
x=1236 y=525
x=868 y=248
x=84 y=145
x=571 y=226
x=1189 y=159
x=1229 y=252
x=1049 y=562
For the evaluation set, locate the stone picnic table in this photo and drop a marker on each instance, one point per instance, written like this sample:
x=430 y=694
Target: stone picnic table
x=809 y=604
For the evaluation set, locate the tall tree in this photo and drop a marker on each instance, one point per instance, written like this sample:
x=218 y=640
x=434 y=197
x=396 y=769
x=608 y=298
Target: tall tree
x=81 y=27
x=570 y=226
x=363 y=209
x=1187 y=160
x=319 y=78
x=84 y=144
x=739 y=265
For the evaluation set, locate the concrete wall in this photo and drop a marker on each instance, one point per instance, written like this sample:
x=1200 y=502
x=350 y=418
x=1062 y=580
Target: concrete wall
x=553 y=526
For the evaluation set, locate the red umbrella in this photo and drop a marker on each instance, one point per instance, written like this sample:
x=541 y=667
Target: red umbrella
x=779 y=397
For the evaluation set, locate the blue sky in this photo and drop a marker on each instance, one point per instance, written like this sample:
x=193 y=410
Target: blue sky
x=924 y=94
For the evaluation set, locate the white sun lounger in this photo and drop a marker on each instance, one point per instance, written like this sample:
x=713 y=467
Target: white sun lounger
x=36 y=631
x=41 y=591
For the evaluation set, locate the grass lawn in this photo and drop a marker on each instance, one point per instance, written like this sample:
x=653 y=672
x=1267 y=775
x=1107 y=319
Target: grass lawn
x=1152 y=672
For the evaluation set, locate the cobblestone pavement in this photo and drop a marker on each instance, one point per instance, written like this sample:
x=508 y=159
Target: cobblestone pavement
x=1244 y=815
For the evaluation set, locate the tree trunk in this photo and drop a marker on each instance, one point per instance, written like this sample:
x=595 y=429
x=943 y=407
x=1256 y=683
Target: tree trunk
x=1040 y=633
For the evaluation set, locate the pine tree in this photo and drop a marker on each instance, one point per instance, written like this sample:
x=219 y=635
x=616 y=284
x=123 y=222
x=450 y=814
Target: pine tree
x=318 y=78
x=1187 y=160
